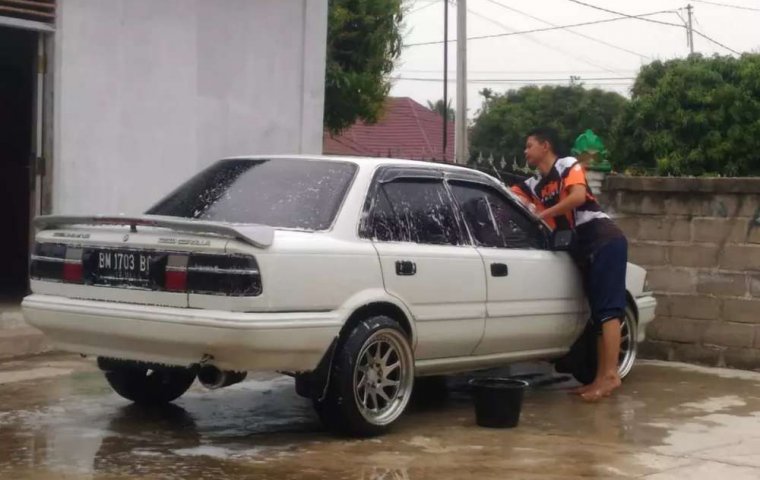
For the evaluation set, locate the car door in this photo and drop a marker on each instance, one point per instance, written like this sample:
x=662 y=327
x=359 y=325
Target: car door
x=427 y=260
x=534 y=295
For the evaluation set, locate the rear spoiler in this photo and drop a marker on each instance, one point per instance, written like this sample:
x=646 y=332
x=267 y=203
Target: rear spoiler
x=260 y=236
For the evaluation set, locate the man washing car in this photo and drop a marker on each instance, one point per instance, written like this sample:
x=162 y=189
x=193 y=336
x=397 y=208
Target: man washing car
x=562 y=198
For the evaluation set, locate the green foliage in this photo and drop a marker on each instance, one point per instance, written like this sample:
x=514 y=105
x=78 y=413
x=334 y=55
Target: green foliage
x=502 y=123
x=694 y=116
x=363 y=41
x=441 y=109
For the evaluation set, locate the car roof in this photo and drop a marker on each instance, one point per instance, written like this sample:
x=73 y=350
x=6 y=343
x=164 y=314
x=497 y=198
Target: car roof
x=368 y=162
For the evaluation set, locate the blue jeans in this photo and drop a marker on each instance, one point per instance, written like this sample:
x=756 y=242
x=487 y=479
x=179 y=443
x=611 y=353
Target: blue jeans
x=605 y=281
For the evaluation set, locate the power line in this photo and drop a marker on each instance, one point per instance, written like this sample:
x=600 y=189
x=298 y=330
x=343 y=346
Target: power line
x=637 y=17
x=726 y=5
x=583 y=35
x=530 y=37
x=547 y=29
x=657 y=21
x=555 y=72
x=704 y=35
x=428 y=4
x=685 y=23
x=527 y=83
x=513 y=80
x=715 y=42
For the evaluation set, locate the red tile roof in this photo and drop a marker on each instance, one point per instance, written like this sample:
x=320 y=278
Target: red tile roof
x=405 y=130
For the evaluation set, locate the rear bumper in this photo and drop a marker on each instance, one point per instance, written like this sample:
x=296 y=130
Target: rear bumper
x=646 y=306
x=181 y=336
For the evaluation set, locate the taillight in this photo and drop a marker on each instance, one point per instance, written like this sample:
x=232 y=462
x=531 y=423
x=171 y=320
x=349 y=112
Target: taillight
x=212 y=274
x=233 y=275
x=73 y=272
x=57 y=262
x=175 y=276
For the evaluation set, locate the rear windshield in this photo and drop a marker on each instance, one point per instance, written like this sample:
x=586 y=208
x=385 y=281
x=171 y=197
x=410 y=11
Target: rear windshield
x=285 y=193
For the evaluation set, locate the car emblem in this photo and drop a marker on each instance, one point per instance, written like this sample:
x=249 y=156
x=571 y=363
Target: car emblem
x=126 y=237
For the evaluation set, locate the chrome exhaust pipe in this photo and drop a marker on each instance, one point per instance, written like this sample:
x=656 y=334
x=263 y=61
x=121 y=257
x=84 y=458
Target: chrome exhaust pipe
x=213 y=378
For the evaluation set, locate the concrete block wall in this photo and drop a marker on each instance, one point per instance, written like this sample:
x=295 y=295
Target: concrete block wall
x=699 y=239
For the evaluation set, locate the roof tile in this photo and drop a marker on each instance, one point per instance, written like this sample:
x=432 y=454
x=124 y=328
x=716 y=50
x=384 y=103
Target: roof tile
x=407 y=129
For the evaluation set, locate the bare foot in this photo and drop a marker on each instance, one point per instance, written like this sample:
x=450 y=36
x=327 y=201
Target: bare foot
x=580 y=390
x=602 y=387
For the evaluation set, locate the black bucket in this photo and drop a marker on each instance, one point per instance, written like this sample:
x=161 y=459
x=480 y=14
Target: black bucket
x=498 y=401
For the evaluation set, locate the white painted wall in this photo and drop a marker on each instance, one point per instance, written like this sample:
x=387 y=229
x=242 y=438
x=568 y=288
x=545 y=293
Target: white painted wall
x=150 y=91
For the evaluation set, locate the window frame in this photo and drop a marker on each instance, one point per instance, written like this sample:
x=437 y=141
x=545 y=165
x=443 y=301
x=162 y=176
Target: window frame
x=479 y=182
x=390 y=174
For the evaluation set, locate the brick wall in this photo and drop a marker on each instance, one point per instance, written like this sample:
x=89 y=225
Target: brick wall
x=699 y=239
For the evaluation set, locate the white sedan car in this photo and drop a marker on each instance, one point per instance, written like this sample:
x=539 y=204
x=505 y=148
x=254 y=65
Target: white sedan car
x=354 y=275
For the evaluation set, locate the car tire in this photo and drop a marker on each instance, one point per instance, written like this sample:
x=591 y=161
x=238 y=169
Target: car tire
x=148 y=385
x=582 y=360
x=629 y=345
x=371 y=379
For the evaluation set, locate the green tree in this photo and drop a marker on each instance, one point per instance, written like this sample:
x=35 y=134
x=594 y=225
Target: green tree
x=446 y=111
x=500 y=126
x=363 y=41
x=694 y=116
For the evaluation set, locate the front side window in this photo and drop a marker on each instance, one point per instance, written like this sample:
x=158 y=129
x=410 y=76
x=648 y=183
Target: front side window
x=285 y=193
x=413 y=210
x=492 y=220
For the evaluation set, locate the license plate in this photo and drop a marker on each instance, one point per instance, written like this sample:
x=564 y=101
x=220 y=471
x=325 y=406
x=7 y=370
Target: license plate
x=122 y=267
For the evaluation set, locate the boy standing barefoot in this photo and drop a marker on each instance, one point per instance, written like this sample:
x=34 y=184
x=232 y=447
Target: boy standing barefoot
x=562 y=198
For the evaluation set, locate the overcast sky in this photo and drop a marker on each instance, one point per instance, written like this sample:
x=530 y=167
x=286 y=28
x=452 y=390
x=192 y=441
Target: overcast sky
x=552 y=57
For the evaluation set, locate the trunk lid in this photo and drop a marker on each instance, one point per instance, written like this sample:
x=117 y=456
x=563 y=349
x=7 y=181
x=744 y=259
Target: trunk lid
x=145 y=259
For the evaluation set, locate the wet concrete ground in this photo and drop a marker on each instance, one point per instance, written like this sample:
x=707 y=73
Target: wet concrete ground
x=59 y=420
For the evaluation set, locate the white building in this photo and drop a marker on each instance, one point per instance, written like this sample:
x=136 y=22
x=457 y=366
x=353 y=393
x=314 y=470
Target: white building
x=136 y=95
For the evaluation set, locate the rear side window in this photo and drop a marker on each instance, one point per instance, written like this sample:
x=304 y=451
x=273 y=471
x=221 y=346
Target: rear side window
x=418 y=211
x=285 y=193
x=493 y=221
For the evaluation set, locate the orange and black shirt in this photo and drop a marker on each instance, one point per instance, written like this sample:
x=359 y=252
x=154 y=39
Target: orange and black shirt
x=593 y=227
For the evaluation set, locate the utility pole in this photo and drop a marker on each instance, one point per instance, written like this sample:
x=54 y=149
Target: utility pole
x=445 y=76
x=690 y=29
x=460 y=124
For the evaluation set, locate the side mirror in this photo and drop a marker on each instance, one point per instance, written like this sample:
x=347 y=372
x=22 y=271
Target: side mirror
x=562 y=240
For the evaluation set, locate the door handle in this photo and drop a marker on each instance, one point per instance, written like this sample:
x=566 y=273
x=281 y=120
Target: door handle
x=406 y=268
x=499 y=270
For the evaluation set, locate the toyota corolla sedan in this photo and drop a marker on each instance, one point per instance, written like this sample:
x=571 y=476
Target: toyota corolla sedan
x=353 y=275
